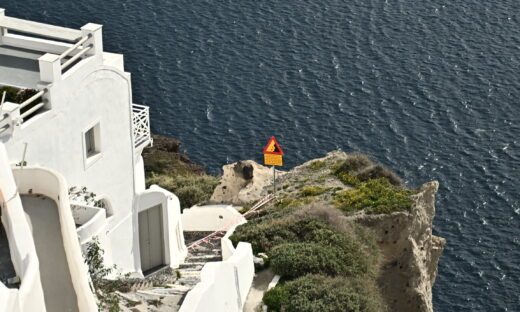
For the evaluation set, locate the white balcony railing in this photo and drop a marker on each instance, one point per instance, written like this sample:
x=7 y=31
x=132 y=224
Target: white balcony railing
x=141 y=126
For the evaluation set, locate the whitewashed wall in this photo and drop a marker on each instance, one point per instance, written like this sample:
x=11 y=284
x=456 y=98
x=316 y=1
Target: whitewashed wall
x=224 y=285
x=51 y=184
x=29 y=297
x=210 y=217
x=89 y=93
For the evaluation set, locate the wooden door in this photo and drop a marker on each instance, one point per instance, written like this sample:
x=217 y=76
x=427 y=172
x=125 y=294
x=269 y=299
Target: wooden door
x=151 y=241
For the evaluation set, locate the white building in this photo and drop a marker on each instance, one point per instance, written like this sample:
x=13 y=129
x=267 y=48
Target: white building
x=81 y=129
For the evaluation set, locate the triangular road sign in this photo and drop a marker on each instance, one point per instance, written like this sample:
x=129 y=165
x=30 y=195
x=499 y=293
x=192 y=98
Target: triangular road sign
x=273 y=147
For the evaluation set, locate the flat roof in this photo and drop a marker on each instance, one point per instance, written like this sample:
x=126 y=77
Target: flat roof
x=19 y=72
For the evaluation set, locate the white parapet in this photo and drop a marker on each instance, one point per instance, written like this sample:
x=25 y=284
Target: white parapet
x=211 y=218
x=38 y=180
x=29 y=297
x=50 y=68
x=96 y=38
x=224 y=285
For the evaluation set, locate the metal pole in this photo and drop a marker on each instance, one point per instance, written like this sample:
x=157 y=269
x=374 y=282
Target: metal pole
x=274 y=181
x=23 y=157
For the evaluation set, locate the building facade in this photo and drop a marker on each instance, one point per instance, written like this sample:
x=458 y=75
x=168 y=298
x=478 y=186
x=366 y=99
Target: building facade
x=74 y=143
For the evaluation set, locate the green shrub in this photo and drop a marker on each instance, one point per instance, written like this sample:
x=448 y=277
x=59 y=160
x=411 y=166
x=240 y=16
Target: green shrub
x=315 y=293
x=347 y=178
x=297 y=259
x=191 y=189
x=375 y=196
x=378 y=171
x=10 y=93
x=266 y=233
x=275 y=298
x=359 y=168
x=104 y=289
x=317 y=165
x=354 y=162
x=313 y=191
x=287 y=202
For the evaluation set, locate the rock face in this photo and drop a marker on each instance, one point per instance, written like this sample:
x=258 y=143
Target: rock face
x=164 y=158
x=410 y=252
x=243 y=182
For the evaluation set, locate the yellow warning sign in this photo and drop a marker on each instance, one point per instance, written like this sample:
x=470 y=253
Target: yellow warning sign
x=273 y=160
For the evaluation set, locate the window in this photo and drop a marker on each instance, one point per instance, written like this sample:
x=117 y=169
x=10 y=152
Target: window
x=91 y=144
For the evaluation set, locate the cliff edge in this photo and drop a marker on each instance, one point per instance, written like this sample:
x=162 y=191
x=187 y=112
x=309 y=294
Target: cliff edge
x=366 y=194
x=410 y=252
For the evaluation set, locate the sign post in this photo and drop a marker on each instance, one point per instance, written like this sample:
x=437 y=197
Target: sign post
x=273 y=156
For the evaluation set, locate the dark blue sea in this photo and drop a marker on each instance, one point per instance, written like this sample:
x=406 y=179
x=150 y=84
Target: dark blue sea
x=429 y=88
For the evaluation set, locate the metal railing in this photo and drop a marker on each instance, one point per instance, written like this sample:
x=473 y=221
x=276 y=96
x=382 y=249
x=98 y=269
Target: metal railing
x=30 y=101
x=141 y=125
x=75 y=46
x=5 y=126
x=75 y=57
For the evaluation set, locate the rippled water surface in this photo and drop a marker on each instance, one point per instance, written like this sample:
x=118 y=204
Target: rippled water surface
x=429 y=88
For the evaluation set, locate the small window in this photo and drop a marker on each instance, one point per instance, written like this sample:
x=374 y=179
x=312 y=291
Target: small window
x=90 y=143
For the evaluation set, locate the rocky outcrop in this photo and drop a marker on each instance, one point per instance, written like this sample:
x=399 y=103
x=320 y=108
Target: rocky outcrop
x=164 y=157
x=243 y=182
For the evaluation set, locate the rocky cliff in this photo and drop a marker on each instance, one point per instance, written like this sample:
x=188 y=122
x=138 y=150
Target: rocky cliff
x=410 y=252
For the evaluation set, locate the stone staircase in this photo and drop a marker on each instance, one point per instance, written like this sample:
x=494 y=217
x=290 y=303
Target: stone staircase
x=170 y=286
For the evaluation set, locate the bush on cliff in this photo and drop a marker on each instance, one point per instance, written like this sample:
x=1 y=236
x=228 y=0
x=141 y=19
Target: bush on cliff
x=316 y=239
x=296 y=259
x=191 y=189
x=316 y=293
x=375 y=196
x=268 y=233
x=359 y=168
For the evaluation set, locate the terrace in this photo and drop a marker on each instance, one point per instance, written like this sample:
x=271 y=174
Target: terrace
x=35 y=56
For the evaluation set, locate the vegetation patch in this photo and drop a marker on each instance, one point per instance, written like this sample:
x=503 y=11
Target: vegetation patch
x=285 y=202
x=296 y=259
x=313 y=293
x=317 y=165
x=270 y=232
x=359 y=168
x=375 y=196
x=313 y=191
x=104 y=289
x=191 y=189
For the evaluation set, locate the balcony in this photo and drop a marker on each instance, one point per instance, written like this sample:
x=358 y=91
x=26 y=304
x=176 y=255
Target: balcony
x=90 y=220
x=141 y=127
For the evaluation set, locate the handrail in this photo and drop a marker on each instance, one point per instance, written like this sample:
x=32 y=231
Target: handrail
x=75 y=57
x=32 y=99
x=32 y=110
x=75 y=46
